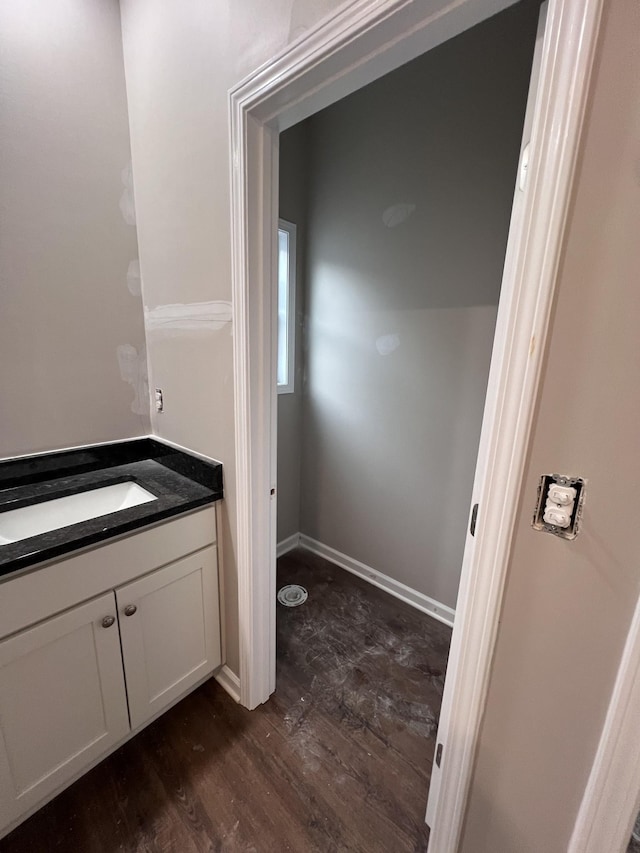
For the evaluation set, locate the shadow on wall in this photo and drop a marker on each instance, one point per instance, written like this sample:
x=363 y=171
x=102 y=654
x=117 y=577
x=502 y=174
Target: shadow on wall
x=412 y=177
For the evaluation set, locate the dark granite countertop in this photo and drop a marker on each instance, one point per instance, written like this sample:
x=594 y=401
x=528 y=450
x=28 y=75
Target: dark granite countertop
x=180 y=482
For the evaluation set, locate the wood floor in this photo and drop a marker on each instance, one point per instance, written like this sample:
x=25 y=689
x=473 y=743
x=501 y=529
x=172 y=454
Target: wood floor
x=337 y=760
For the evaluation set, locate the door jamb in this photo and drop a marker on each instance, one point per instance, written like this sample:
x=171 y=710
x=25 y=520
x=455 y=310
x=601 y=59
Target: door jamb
x=361 y=41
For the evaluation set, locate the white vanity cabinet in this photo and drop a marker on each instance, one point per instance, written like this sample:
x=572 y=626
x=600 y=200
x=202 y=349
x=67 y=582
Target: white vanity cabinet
x=75 y=685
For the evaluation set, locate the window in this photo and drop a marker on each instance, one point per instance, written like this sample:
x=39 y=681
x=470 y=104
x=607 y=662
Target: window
x=286 y=305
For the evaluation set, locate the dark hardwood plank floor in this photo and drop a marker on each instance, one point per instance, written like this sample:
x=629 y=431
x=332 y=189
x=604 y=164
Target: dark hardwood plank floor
x=337 y=760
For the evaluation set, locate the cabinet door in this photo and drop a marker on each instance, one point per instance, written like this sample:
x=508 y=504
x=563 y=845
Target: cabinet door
x=62 y=702
x=170 y=630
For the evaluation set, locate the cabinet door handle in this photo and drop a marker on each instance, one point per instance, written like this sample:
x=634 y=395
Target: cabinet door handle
x=130 y=609
x=108 y=621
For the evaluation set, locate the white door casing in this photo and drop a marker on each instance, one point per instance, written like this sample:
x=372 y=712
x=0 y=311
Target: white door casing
x=360 y=42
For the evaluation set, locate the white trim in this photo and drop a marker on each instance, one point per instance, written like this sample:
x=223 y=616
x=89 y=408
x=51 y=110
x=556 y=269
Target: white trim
x=612 y=797
x=254 y=399
x=283 y=547
x=405 y=593
x=357 y=44
x=228 y=680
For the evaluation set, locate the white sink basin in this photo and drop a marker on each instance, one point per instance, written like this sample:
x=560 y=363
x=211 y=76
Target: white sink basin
x=17 y=524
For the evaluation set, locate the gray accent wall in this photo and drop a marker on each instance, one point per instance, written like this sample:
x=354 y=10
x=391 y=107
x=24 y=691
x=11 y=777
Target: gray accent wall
x=73 y=367
x=409 y=195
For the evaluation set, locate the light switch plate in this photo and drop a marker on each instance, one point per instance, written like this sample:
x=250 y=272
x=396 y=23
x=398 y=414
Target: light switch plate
x=559 y=494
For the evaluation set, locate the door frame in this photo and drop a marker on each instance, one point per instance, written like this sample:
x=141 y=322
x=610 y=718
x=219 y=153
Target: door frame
x=611 y=799
x=360 y=42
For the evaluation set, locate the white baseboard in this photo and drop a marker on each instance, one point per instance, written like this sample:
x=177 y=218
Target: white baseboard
x=287 y=545
x=227 y=679
x=419 y=600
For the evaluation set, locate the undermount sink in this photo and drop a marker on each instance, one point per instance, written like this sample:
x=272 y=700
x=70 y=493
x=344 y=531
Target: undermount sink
x=32 y=520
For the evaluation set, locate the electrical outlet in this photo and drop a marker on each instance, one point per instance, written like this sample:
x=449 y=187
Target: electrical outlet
x=159 y=400
x=559 y=506
x=562 y=495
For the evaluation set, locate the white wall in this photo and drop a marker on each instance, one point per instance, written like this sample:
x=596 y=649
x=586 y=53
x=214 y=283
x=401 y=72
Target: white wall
x=71 y=320
x=294 y=172
x=181 y=59
x=401 y=301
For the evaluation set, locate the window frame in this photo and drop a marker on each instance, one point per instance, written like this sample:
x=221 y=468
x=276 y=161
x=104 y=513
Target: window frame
x=291 y=230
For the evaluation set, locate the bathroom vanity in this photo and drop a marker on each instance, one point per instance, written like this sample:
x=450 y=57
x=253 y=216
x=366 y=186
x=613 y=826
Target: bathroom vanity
x=109 y=606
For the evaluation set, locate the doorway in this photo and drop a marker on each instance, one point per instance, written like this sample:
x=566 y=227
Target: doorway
x=353 y=47
x=395 y=204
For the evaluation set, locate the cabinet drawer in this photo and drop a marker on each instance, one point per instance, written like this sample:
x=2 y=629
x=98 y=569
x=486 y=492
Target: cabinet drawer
x=170 y=632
